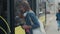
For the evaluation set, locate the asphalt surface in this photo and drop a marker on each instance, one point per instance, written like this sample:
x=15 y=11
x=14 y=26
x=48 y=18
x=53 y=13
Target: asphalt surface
x=51 y=24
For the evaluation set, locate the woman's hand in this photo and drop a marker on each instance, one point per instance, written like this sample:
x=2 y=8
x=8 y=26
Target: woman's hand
x=26 y=27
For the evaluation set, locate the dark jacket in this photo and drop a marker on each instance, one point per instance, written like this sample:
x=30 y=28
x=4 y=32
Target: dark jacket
x=58 y=16
x=31 y=15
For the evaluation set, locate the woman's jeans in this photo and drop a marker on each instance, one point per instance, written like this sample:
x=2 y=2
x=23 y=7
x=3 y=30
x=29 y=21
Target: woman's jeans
x=58 y=22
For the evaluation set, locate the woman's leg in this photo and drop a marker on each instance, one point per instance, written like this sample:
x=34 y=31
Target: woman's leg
x=58 y=25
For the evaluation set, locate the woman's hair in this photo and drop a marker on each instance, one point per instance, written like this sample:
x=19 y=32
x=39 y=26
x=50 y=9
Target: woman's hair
x=25 y=4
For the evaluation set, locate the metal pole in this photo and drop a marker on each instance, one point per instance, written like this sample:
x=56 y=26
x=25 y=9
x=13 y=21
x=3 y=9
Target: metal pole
x=8 y=13
x=45 y=13
x=12 y=20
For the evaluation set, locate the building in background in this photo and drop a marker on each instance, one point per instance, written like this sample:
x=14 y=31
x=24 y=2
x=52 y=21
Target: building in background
x=52 y=6
x=40 y=6
x=41 y=10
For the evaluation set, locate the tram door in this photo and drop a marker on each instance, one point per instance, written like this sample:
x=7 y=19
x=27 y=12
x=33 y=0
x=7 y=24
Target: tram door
x=4 y=24
x=7 y=16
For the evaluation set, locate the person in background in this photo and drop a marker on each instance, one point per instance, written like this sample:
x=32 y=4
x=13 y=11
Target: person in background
x=58 y=19
x=29 y=16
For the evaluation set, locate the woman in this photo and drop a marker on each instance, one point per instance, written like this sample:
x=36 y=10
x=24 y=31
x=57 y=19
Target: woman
x=30 y=18
x=58 y=19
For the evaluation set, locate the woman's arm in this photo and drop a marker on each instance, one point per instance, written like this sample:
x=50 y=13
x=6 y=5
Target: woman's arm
x=34 y=20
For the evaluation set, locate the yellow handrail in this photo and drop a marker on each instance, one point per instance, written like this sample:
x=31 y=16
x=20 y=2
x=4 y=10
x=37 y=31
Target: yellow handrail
x=6 y=23
x=3 y=30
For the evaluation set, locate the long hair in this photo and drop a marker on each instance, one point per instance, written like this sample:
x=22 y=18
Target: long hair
x=25 y=4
